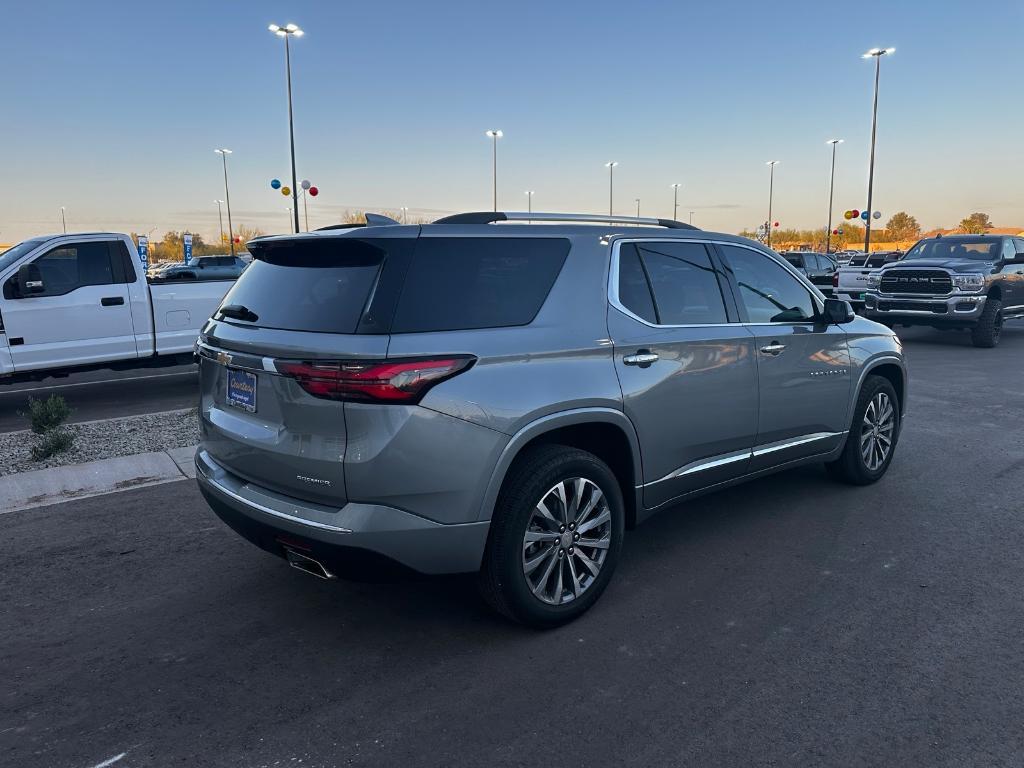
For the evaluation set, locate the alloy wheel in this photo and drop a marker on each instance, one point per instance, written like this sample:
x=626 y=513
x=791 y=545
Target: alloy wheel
x=876 y=434
x=566 y=541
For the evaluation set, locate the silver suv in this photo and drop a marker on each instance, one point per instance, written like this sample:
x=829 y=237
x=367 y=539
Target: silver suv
x=506 y=394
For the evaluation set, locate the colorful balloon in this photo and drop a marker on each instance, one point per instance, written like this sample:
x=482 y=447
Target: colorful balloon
x=876 y=215
x=313 y=191
x=864 y=215
x=847 y=215
x=286 y=191
x=305 y=184
x=775 y=224
x=855 y=213
x=275 y=183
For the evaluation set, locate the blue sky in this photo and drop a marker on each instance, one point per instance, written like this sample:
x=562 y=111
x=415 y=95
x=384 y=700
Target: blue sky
x=113 y=109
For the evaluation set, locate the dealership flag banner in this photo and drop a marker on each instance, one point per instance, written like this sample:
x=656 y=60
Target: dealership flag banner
x=187 y=242
x=144 y=250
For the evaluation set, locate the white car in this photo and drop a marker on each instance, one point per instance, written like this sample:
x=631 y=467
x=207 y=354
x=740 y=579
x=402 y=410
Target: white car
x=82 y=300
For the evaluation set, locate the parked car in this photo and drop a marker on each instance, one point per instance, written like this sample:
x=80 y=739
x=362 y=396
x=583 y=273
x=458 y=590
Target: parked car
x=817 y=267
x=202 y=268
x=971 y=282
x=482 y=395
x=850 y=282
x=82 y=300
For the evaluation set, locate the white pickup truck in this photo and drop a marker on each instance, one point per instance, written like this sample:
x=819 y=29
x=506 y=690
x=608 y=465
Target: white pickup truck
x=82 y=301
x=851 y=281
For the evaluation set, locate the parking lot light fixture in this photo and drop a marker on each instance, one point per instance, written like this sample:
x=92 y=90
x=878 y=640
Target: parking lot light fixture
x=675 y=201
x=223 y=152
x=63 y=221
x=876 y=54
x=289 y=31
x=529 y=200
x=611 y=185
x=831 y=188
x=771 y=191
x=494 y=134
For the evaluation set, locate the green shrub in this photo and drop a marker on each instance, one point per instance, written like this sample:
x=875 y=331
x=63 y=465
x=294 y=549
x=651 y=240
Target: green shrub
x=52 y=442
x=47 y=414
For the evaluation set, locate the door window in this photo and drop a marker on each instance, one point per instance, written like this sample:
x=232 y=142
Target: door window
x=769 y=293
x=826 y=264
x=682 y=285
x=1009 y=252
x=74 y=266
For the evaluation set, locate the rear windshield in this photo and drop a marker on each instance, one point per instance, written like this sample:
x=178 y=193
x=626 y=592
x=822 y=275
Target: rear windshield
x=461 y=283
x=983 y=249
x=318 y=285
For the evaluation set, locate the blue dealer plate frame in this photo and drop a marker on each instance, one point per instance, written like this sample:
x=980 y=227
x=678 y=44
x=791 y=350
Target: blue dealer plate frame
x=241 y=389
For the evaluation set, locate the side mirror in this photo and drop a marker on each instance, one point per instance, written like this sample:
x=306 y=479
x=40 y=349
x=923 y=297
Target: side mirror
x=838 y=311
x=30 y=280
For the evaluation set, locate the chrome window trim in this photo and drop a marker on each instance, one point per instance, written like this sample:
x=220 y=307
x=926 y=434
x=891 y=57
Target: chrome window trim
x=613 y=281
x=748 y=453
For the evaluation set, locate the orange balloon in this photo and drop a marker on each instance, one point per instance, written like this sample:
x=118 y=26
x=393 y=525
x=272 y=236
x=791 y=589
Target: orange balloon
x=286 y=191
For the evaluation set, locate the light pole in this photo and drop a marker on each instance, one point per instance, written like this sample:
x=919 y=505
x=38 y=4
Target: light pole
x=227 y=195
x=771 y=191
x=637 y=201
x=63 y=221
x=876 y=54
x=611 y=185
x=220 y=217
x=289 y=31
x=675 y=201
x=691 y=217
x=495 y=135
x=831 y=189
x=529 y=200
x=405 y=214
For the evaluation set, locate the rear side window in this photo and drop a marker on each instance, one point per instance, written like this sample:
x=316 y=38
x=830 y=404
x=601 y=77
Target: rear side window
x=680 y=277
x=462 y=283
x=321 y=285
x=769 y=293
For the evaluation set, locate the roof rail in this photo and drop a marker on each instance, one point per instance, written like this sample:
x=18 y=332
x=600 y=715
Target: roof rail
x=488 y=217
x=338 y=226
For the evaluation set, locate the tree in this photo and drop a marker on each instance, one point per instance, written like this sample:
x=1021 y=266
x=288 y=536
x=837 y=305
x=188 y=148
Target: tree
x=976 y=224
x=902 y=226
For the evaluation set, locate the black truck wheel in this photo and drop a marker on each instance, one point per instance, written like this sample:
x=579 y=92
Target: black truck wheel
x=990 y=325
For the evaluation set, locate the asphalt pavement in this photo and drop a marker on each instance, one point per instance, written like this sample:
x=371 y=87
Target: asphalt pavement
x=788 y=622
x=104 y=394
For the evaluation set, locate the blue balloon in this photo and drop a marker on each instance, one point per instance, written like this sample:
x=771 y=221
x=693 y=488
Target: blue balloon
x=864 y=215
x=275 y=183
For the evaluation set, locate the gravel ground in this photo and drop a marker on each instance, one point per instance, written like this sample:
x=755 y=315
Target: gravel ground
x=104 y=439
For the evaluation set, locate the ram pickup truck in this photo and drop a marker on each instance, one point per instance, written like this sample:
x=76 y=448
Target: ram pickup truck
x=850 y=282
x=82 y=301
x=971 y=282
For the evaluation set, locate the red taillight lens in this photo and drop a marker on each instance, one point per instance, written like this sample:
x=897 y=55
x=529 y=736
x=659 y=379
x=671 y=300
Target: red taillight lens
x=392 y=381
x=835 y=279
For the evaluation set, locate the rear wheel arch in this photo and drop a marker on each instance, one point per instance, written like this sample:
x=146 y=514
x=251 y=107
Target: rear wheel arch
x=606 y=433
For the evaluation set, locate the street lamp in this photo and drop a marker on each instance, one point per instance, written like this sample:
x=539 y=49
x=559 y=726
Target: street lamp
x=405 y=214
x=220 y=217
x=289 y=31
x=611 y=184
x=675 y=201
x=831 y=188
x=63 y=221
x=876 y=54
x=691 y=217
x=495 y=135
x=771 y=191
x=637 y=201
x=227 y=195
x=529 y=200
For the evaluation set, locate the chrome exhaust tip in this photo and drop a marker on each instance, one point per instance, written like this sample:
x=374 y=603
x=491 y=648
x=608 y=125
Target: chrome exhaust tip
x=307 y=564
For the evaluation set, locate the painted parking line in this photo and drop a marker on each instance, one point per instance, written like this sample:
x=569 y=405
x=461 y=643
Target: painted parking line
x=101 y=381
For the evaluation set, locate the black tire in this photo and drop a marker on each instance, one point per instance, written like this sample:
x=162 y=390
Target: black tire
x=989 y=327
x=851 y=466
x=503 y=583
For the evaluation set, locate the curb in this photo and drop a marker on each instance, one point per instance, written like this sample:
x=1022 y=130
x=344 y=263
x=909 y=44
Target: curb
x=41 y=487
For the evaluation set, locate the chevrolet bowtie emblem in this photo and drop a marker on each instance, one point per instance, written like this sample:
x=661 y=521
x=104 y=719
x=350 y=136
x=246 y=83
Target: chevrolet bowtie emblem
x=224 y=358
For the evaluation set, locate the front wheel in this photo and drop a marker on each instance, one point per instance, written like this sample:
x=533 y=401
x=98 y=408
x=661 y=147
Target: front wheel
x=555 y=536
x=872 y=439
x=989 y=327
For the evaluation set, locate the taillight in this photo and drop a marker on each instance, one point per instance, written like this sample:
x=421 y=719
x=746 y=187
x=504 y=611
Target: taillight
x=835 y=279
x=390 y=381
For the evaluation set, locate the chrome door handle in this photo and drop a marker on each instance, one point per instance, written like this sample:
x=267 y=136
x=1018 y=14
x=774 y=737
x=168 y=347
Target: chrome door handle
x=641 y=358
x=773 y=349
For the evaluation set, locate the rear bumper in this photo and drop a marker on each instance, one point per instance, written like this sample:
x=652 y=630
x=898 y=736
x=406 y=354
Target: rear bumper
x=343 y=539
x=954 y=309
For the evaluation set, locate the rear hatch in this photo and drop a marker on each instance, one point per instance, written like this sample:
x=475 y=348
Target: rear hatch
x=304 y=320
